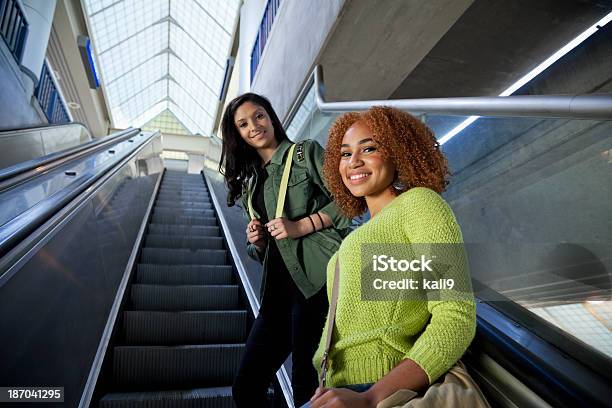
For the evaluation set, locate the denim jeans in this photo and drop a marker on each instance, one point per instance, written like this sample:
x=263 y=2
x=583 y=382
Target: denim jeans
x=352 y=387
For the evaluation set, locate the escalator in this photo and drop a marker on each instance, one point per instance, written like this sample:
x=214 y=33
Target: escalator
x=116 y=283
x=184 y=325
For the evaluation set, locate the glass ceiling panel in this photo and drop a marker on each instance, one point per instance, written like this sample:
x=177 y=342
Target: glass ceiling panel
x=133 y=52
x=136 y=80
x=126 y=18
x=139 y=103
x=190 y=107
x=193 y=83
x=150 y=113
x=182 y=116
x=225 y=12
x=166 y=123
x=193 y=55
x=200 y=25
x=97 y=5
x=185 y=43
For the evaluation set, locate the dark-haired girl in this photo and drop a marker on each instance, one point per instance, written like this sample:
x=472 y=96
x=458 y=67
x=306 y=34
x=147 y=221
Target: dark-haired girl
x=293 y=248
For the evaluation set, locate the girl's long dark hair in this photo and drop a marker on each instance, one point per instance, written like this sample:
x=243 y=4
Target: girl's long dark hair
x=238 y=159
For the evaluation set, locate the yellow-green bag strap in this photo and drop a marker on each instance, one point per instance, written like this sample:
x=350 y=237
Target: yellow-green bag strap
x=250 y=204
x=282 y=192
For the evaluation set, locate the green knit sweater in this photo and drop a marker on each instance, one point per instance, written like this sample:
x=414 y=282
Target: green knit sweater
x=370 y=338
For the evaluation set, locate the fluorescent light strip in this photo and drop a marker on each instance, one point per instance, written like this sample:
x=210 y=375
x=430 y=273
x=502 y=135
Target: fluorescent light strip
x=534 y=73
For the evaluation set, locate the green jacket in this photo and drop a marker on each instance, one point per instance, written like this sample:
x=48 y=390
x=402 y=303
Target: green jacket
x=305 y=257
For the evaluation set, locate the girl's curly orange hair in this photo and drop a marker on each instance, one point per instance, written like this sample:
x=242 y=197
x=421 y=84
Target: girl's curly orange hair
x=401 y=138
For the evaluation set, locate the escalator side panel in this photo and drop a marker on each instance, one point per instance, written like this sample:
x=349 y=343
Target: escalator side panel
x=56 y=304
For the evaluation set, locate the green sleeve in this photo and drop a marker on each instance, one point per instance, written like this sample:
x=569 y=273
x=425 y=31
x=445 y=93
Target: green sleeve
x=453 y=322
x=314 y=156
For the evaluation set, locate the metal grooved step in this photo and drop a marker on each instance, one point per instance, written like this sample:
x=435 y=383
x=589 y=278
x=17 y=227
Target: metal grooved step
x=218 y=397
x=184 y=326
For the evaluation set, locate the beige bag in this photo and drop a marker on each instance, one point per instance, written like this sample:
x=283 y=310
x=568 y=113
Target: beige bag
x=457 y=389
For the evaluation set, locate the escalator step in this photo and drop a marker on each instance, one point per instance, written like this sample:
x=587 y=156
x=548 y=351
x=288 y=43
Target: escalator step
x=218 y=397
x=186 y=230
x=184 y=212
x=184 y=274
x=184 y=177
x=181 y=366
x=201 y=198
x=164 y=241
x=185 y=188
x=184 y=183
x=185 y=297
x=185 y=327
x=183 y=204
x=182 y=191
x=167 y=256
x=180 y=219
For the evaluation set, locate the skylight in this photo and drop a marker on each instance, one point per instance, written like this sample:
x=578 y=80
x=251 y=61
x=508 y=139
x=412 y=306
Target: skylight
x=158 y=55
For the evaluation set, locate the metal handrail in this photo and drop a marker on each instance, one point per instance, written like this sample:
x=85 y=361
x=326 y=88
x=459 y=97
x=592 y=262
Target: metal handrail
x=22 y=225
x=6 y=131
x=32 y=168
x=543 y=106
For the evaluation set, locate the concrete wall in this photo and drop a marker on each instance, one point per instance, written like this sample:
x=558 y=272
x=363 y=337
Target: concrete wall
x=202 y=151
x=496 y=42
x=39 y=15
x=376 y=44
x=196 y=144
x=298 y=34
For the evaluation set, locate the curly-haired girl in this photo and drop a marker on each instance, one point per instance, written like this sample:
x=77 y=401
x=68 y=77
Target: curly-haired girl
x=389 y=163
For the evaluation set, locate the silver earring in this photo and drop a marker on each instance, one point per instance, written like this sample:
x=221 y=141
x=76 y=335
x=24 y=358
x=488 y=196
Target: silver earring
x=399 y=185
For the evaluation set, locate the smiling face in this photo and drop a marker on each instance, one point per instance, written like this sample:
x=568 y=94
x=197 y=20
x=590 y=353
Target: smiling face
x=255 y=126
x=364 y=170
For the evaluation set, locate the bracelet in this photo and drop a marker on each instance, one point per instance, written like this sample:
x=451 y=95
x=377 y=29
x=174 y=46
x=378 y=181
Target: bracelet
x=313 y=225
x=321 y=219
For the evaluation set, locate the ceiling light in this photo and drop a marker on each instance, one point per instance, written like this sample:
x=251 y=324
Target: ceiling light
x=534 y=72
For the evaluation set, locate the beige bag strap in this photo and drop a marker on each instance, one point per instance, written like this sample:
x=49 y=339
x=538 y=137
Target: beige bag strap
x=331 y=319
x=282 y=192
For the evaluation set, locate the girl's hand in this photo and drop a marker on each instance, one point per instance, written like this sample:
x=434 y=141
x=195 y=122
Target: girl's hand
x=281 y=228
x=256 y=234
x=340 y=398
